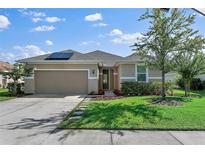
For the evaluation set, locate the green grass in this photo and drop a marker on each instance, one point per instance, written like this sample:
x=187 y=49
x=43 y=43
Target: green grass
x=4 y=95
x=138 y=113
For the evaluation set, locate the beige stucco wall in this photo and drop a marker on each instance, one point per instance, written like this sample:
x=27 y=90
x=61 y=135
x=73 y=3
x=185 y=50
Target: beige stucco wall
x=92 y=86
x=127 y=70
x=154 y=73
x=127 y=73
x=29 y=86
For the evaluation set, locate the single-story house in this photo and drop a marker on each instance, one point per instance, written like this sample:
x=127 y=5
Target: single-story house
x=72 y=72
x=5 y=67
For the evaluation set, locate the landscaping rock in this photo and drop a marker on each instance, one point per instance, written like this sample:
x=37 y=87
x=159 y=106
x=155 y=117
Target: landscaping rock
x=166 y=102
x=74 y=118
x=77 y=113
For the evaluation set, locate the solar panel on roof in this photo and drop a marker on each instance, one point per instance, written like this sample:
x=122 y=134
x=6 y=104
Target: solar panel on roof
x=59 y=56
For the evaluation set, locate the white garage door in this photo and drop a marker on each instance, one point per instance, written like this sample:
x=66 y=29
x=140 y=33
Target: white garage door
x=61 y=82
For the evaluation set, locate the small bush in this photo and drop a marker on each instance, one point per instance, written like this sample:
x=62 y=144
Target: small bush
x=203 y=84
x=195 y=84
x=180 y=83
x=139 y=88
x=117 y=92
x=101 y=92
x=15 y=88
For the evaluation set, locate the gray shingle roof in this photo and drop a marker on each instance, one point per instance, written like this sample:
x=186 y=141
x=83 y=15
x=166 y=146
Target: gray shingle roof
x=76 y=56
x=108 y=59
x=101 y=55
x=133 y=57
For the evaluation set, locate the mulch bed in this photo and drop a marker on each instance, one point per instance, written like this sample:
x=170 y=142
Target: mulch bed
x=166 y=102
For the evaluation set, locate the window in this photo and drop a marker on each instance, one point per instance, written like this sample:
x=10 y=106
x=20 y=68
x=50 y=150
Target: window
x=141 y=73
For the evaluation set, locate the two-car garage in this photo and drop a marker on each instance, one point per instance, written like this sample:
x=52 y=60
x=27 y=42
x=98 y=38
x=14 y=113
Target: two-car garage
x=61 y=81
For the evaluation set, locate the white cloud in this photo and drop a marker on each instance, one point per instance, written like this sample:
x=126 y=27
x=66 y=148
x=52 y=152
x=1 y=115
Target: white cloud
x=4 y=22
x=123 y=38
x=40 y=16
x=29 y=51
x=36 y=19
x=116 y=32
x=89 y=43
x=25 y=12
x=54 y=19
x=48 y=42
x=43 y=28
x=20 y=52
x=100 y=25
x=6 y=56
x=37 y=14
x=94 y=17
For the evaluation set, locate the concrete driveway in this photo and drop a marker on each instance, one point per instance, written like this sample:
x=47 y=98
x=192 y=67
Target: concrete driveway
x=29 y=120
x=33 y=120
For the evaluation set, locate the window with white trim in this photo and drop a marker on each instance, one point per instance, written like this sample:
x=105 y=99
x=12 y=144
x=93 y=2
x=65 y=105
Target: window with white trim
x=141 y=73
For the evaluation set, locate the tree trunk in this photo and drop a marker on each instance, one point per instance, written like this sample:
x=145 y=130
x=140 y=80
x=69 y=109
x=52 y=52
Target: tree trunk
x=163 y=85
x=186 y=88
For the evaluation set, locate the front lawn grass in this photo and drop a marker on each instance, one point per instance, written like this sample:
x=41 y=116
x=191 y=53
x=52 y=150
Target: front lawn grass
x=4 y=95
x=137 y=113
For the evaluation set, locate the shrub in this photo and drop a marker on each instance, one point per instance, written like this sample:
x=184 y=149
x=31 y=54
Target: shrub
x=15 y=88
x=101 y=92
x=203 y=84
x=117 y=92
x=139 y=88
x=180 y=83
x=195 y=84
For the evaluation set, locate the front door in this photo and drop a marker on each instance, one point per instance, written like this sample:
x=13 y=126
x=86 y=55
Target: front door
x=105 y=79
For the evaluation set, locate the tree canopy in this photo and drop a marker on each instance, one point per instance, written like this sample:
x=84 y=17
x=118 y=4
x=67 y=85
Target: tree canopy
x=167 y=36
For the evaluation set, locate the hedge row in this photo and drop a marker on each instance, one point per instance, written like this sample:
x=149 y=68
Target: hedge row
x=139 y=88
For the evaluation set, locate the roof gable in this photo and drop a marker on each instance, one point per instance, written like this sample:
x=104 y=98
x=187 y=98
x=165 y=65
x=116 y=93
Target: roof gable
x=102 y=55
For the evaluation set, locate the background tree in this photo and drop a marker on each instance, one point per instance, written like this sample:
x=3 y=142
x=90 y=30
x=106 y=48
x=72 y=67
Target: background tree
x=16 y=75
x=191 y=62
x=165 y=38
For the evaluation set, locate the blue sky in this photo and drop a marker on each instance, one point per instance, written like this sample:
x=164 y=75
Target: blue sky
x=30 y=32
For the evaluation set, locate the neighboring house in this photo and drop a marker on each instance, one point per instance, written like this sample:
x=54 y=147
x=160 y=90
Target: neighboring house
x=72 y=72
x=4 y=67
x=173 y=76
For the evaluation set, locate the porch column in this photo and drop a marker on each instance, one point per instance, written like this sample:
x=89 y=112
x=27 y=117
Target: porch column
x=116 y=78
x=100 y=78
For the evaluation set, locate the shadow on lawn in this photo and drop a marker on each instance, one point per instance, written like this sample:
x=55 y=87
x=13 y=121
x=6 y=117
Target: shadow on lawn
x=117 y=115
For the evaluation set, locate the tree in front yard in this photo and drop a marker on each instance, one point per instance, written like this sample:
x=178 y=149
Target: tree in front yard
x=165 y=38
x=191 y=62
